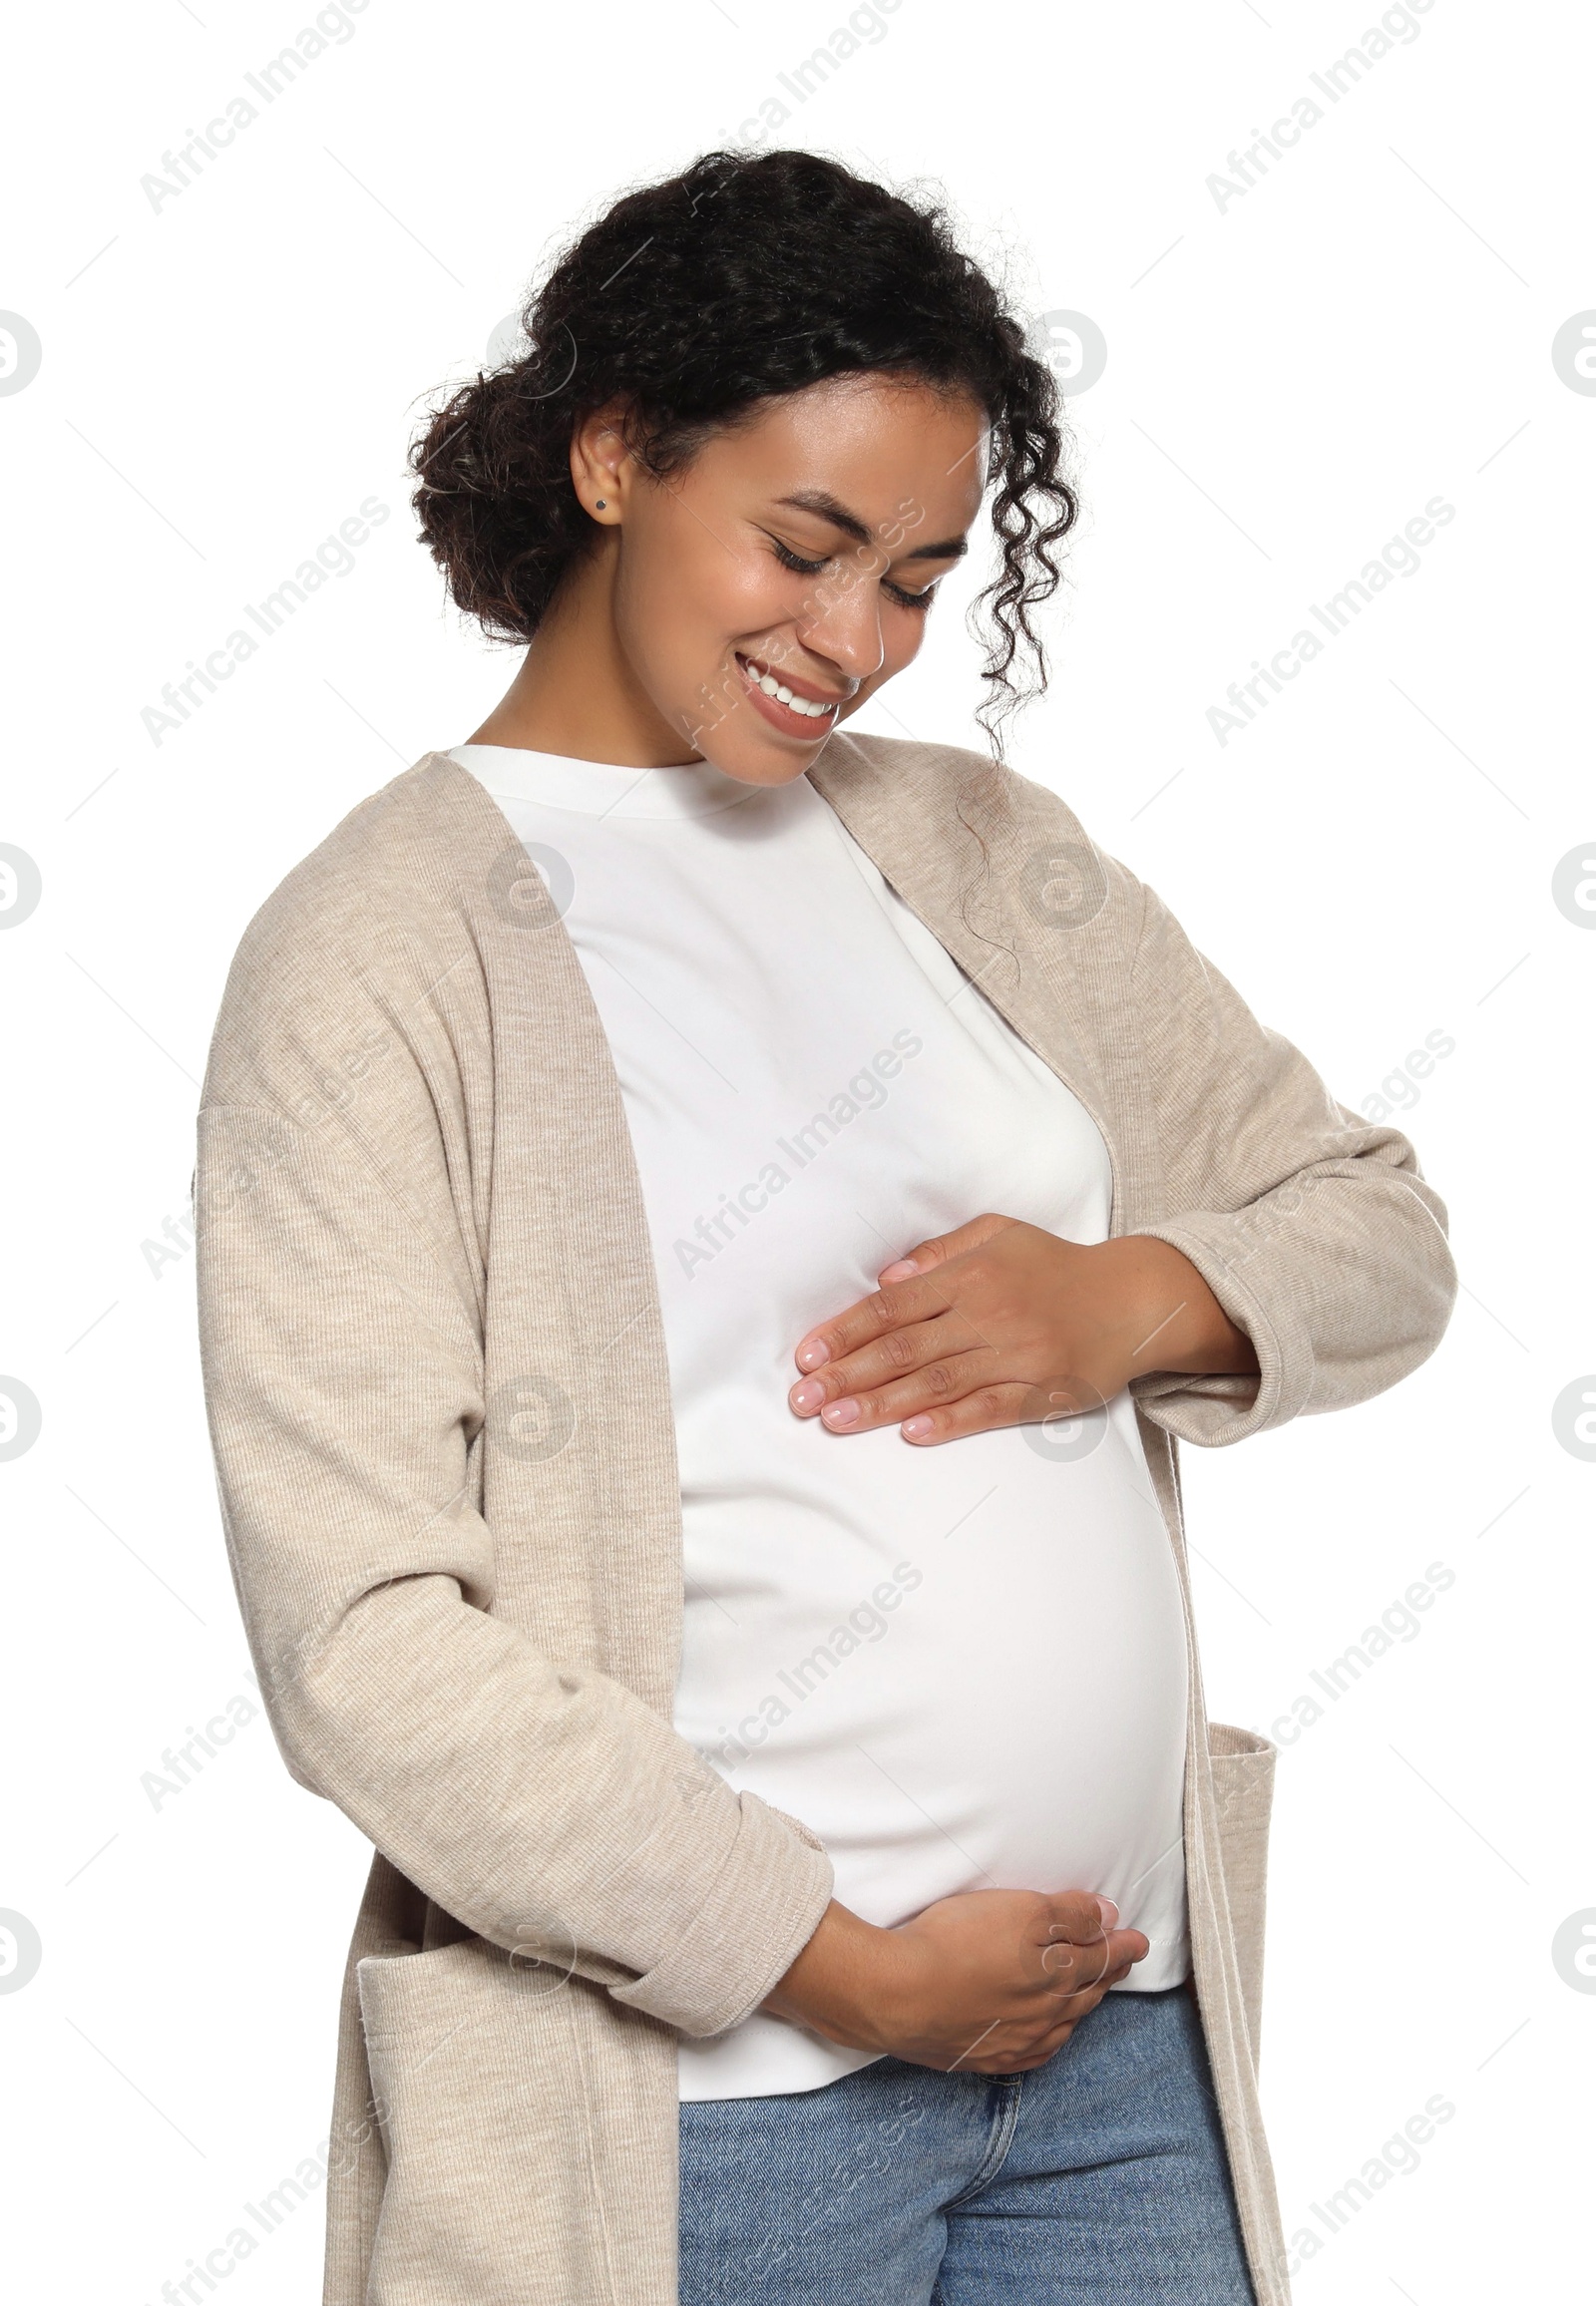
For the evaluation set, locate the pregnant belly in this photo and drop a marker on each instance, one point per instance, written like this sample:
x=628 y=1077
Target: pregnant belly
x=973 y=1679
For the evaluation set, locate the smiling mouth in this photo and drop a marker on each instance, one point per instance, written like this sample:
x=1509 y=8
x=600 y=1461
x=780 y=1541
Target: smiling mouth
x=799 y=707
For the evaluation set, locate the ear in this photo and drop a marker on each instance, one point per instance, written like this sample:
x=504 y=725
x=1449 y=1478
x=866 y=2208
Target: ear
x=602 y=466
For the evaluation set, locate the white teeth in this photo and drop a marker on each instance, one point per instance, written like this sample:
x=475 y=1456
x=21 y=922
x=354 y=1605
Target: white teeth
x=807 y=708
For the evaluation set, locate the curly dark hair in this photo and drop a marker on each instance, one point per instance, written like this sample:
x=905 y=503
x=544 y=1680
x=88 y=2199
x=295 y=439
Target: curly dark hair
x=692 y=299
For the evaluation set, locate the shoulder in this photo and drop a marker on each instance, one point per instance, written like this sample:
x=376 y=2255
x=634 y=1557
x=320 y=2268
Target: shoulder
x=354 y=936
x=952 y=813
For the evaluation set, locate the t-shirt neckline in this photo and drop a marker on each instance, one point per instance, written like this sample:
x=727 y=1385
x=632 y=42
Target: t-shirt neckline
x=605 y=788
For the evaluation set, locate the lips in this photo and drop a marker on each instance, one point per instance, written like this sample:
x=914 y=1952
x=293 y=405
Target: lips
x=794 y=720
x=801 y=688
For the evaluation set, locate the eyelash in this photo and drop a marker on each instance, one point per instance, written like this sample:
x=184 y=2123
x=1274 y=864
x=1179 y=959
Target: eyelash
x=789 y=559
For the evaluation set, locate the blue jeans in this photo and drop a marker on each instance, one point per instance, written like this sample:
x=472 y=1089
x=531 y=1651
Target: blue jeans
x=1098 y=2180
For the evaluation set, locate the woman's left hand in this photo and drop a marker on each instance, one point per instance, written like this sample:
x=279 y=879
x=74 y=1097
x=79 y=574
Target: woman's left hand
x=1001 y=1324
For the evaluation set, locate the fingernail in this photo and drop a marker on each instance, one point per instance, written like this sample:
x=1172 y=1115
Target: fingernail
x=811 y=1355
x=916 y=1428
x=1109 y=1911
x=900 y=1270
x=808 y=1396
x=844 y=1412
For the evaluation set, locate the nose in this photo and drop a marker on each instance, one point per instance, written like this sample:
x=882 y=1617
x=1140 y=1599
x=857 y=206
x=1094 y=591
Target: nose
x=845 y=627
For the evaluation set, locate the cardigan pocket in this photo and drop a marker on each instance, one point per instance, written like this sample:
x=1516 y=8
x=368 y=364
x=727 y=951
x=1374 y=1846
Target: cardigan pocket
x=1242 y=1763
x=474 y=2085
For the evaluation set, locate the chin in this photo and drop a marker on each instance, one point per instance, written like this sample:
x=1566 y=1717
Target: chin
x=739 y=746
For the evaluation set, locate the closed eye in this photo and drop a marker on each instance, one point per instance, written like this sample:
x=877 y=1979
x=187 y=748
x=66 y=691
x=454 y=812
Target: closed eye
x=790 y=559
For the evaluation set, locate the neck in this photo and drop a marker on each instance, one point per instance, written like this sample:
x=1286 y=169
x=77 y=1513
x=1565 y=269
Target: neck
x=576 y=694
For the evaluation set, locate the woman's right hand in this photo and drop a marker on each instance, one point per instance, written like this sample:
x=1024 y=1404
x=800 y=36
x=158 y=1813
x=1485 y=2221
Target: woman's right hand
x=989 y=1982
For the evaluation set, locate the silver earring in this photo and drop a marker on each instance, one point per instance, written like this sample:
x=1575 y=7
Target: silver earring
x=599 y=506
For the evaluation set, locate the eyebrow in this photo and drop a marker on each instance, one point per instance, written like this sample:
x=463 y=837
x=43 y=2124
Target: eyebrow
x=823 y=503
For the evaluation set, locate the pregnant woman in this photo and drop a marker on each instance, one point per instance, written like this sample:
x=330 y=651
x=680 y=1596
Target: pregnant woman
x=711 y=1228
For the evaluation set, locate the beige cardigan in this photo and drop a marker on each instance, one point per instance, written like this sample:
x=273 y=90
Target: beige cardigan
x=440 y=1406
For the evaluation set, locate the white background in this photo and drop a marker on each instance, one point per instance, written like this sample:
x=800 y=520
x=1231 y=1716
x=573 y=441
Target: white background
x=1290 y=378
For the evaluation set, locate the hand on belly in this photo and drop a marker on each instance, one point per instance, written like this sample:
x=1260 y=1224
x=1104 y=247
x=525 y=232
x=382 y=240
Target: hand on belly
x=1003 y=1324
x=987 y=1982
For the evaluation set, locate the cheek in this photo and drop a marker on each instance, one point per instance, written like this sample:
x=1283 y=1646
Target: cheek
x=902 y=636
x=665 y=627
x=685 y=598
x=749 y=593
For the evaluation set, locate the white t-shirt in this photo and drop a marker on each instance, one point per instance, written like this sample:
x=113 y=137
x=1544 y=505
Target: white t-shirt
x=964 y=1666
